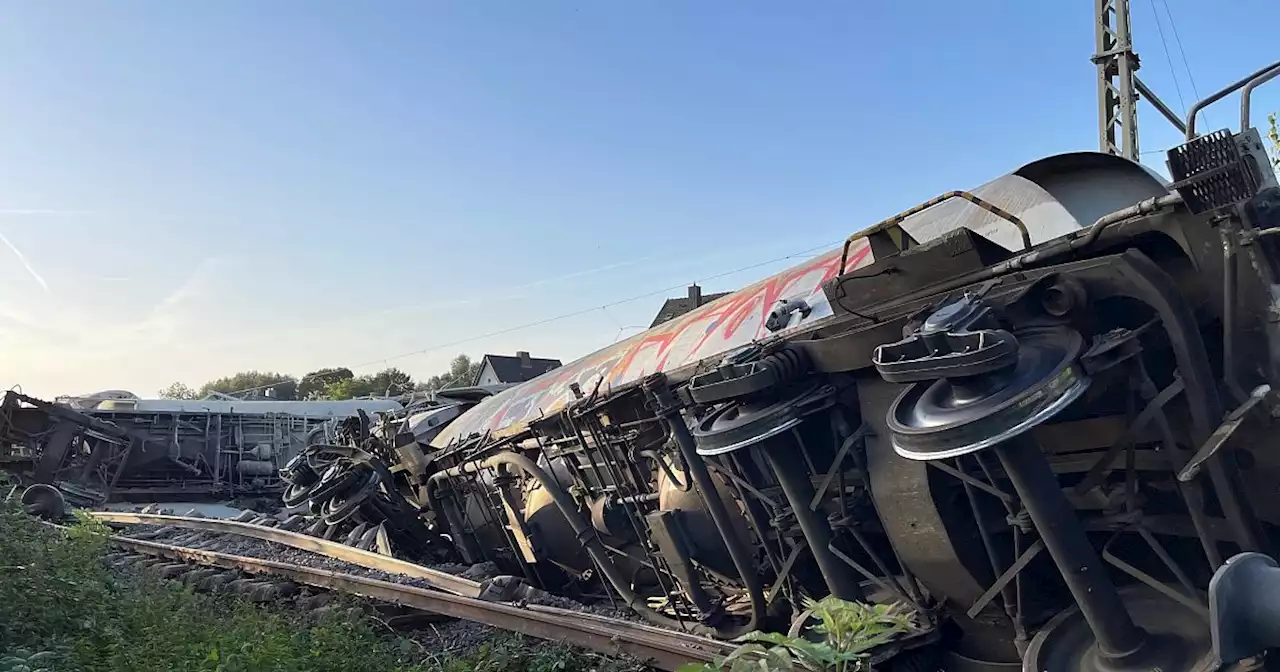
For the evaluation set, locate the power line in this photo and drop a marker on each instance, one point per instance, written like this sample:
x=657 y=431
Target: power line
x=618 y=336
x=584 y=311
x=1169 y=59
x=1178 y=41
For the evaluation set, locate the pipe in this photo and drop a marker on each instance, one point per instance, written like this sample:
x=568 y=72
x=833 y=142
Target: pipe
x=1007 y=591
x=585 y=533
x=639 y=499
x=453 y=518
x=1148 y=283
x=666 y=469
x=1248 y=91
x=1195 y=109
x=1191 y=492
x=190 y=468
x=1064 y=537
x=1145 y=207
x=1229 y=271
x=669 y=409
x=798 y=489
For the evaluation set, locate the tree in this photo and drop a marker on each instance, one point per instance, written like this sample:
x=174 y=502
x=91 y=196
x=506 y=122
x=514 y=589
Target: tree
x=313 y=384
x=1274 y=134
x=346 y=388
x=254 y=384
x=390 y=383
x=178 y=391
x=462 y=371
x=386 y=383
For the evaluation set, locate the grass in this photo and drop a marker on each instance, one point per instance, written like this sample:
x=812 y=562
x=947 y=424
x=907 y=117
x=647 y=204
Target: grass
x=62 y=610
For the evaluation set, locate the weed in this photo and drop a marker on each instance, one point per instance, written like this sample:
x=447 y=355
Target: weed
x=62 y=610
x=849 y=630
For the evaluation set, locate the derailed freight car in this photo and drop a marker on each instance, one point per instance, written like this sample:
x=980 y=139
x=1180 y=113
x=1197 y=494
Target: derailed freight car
x=115 y=446
x=1038 y=413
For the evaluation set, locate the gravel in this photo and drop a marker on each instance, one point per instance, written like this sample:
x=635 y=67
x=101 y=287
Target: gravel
x=485 y=572
x=440 y=636
x=434 y=634
x=266 y=550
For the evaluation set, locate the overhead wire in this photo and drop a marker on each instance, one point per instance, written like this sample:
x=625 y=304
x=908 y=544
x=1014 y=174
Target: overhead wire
x=617 y=336
x=576 y=313
x=1167 y=57
x=1178 y=41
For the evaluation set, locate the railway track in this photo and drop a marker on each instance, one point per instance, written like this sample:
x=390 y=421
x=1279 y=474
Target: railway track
x=445 y=595
x=368 y=559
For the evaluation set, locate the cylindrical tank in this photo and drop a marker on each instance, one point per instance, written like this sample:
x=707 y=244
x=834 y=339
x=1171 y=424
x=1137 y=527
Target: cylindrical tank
x=552 y=533
x=707 y=545
x=256 y=467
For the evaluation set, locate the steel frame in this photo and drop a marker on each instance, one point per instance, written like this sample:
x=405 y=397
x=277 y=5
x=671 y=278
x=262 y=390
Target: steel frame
x=1117 y=87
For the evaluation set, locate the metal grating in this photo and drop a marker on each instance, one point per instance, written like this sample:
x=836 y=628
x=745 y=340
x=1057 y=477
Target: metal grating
x=1209 y=174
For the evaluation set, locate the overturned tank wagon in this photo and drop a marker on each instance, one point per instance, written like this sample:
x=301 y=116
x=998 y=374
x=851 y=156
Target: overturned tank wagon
x=1038 y=414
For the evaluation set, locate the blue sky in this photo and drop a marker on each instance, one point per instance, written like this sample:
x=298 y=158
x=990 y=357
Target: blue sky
x=199 y=188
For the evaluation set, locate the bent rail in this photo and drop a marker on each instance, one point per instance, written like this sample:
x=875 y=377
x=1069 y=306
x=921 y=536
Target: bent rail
x=661 y=648
x=435 y=578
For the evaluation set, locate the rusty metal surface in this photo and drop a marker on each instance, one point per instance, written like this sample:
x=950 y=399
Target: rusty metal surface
x=333 y=549
x=660 y=648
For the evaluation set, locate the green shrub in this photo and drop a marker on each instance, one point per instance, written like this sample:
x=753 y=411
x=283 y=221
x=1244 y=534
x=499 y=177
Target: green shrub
x=848 y=630
x=52 y=585
x=62 y=610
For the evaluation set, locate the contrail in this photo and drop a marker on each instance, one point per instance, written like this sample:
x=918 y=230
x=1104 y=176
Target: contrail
x=18 y=212
x=25 y=264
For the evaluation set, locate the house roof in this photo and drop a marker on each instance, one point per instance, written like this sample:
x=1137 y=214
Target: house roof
x=673 y=308
x=512 y=369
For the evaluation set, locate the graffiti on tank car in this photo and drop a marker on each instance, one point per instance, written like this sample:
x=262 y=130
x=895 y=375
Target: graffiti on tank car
x=710 y=330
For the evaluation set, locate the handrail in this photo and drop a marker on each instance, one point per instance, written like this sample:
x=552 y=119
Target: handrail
x=902 y=216
x=1248 y=90
x=1219 y=95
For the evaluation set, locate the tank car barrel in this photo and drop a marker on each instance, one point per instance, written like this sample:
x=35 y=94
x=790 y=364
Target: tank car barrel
x=709 y=473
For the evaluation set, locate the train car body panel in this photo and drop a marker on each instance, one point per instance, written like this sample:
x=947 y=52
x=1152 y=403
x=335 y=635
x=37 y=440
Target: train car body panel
x=1053 y=196
x=1000 y=411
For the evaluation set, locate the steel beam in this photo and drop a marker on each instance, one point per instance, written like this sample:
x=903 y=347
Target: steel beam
x=1117 y=88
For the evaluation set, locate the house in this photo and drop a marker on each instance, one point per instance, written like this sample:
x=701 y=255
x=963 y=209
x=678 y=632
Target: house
x=497 y=369
x=674 y=308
